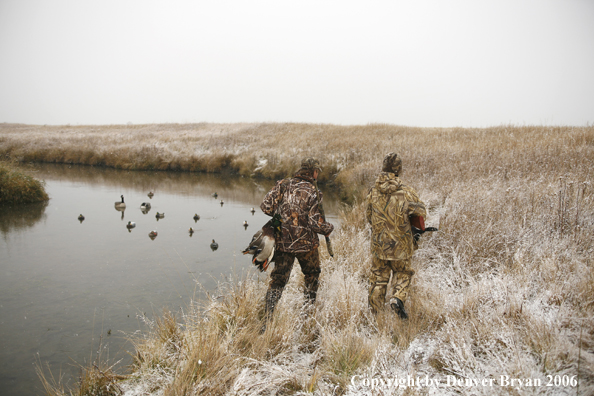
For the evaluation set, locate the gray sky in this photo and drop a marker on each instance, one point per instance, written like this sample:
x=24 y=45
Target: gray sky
x=420 y=63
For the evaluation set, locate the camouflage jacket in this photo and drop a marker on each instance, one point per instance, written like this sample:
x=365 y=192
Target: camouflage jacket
x=296 y=201
x=389 y=205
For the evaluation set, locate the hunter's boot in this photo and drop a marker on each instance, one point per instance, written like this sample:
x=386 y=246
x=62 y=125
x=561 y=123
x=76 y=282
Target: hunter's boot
x=398 y=306
x=311 y=291
x=272 y=297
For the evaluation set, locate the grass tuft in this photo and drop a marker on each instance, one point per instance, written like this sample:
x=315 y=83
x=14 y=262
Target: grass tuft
x=16 y=187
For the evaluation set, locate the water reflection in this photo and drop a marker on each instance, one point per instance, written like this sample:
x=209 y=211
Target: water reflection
x=20 y=217
x=121 y=210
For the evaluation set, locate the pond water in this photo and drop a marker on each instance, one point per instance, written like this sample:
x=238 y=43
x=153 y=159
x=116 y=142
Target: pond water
x=67 y=287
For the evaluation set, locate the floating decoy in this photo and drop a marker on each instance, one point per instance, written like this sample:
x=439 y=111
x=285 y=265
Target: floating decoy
x=215 y=195
x=160 y=215
x=81 y=218
x=150 y=194
x=120 y=205
x=145 y=206
x=245 y=224
x=262 y=247
x=191 y=231
x=222 y=202
x=130 y=224
x=253 y=210
x=214 y=246
x=153 y=234
x=196 y=217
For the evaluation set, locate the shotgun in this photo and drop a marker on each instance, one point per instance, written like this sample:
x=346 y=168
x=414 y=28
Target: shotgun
x=321 y=209
x=418 y=232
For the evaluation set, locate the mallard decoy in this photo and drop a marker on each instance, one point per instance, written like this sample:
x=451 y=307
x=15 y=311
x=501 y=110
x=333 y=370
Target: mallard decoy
x=152 y=234
x=160 y=215
x=245 y=224
x=145 y=206
x=81 y=218
x=120 y=205
x=150 y=194
x=215 y=194
x=253 y=211
x=222 y=202
x=130 y=224
x=196 y=217
x=214 y=246
x=262 y=247
x=191 y=231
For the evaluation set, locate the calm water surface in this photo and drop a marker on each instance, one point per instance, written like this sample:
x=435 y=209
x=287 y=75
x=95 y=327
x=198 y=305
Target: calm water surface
x=68 y=286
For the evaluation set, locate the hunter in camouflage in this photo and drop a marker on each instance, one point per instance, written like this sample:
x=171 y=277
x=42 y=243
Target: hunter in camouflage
x=390 y=205
x=296 y=201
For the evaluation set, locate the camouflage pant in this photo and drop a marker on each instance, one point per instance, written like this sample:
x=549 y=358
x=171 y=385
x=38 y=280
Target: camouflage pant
x=310 y=266
x=380 y=276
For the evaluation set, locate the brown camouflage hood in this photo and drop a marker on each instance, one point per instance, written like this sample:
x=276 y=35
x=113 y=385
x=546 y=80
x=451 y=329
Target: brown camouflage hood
x=296 y=201
x=390 y=203
x=387 y=183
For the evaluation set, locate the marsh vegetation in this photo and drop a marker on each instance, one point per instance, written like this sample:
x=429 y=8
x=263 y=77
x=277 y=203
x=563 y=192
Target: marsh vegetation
x=506 y=287
x=17 y=187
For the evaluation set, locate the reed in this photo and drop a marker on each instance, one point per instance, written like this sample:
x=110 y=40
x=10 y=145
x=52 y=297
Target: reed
x=505 y=287
x=16 y=187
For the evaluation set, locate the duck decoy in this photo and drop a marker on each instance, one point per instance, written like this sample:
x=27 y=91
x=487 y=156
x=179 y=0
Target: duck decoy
x=196 y=217
x=130 y=225
x=215 y=194
x=151 y=195
x=160 y=215
x=191 y=231
x=214 y=246
x=120 y=205
x=81 y=218
x=253 y=211
x=245 y=224
x=145 y=206
x=262 y=247
x=152 y=234
x=222 y=202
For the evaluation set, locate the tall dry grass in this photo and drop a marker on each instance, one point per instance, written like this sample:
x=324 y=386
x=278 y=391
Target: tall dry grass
x=17 y=187
x=506 y=287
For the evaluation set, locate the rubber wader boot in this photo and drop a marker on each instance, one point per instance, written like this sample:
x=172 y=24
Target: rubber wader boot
x=272 y=298
x=398 y=306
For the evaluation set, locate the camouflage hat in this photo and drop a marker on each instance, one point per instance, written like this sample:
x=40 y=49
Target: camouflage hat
x=311 y=164
x=392 y=163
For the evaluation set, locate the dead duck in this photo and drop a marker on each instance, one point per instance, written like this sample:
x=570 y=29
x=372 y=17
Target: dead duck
x=160 y=215
x=196 y=217
x=214 y=246
x=262 y=247
x=81 y=218
x=120 y=205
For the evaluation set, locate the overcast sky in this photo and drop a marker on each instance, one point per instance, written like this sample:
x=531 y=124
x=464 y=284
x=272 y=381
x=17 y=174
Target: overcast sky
x=420 y=63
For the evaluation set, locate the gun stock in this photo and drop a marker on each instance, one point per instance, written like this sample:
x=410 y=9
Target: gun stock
x=321 y=209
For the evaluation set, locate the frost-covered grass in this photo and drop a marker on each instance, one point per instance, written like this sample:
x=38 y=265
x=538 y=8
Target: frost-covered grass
x=505 y=288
